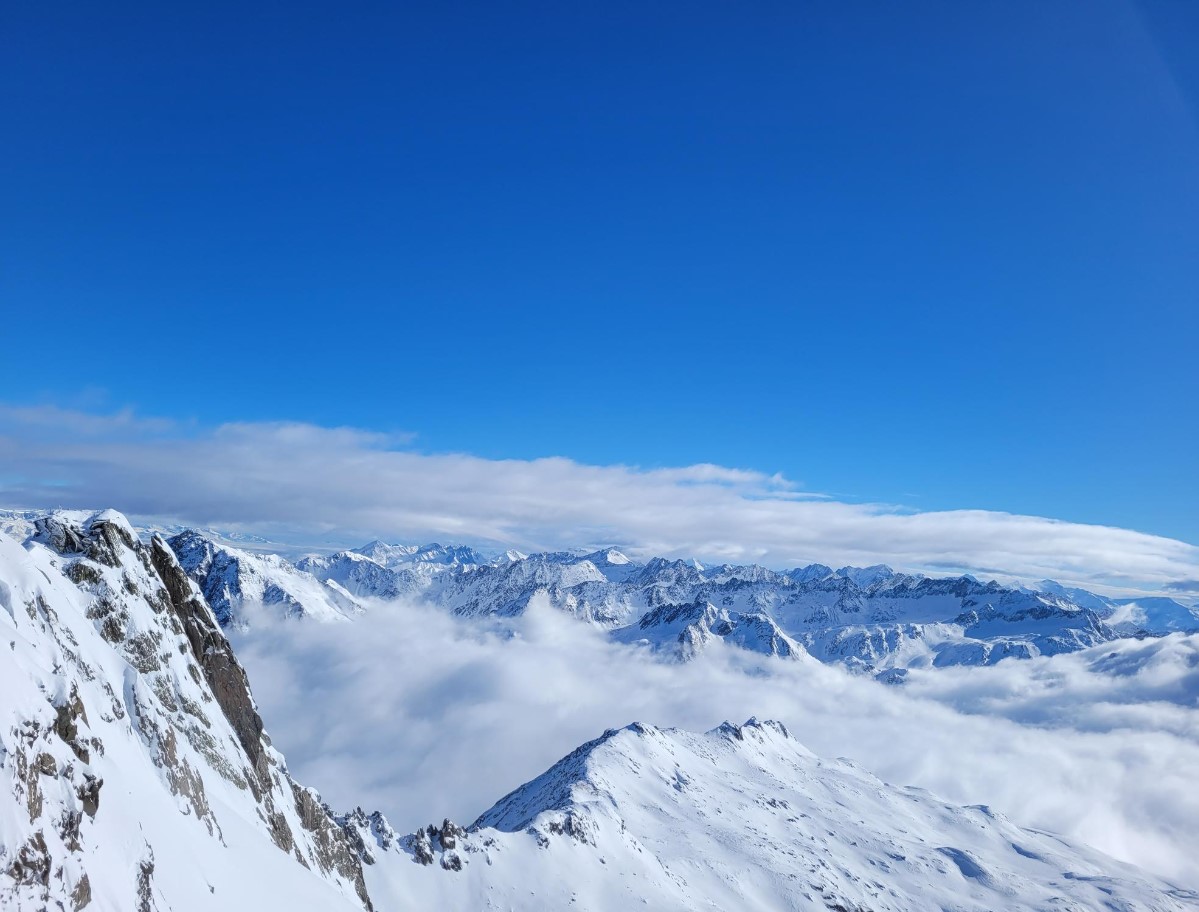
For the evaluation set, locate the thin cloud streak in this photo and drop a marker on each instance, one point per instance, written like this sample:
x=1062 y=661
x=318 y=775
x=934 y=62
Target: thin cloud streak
x=346 y=485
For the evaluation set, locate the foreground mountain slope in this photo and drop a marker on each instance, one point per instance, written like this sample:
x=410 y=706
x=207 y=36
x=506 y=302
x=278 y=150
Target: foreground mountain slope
x=740 y=817
x=134 y=770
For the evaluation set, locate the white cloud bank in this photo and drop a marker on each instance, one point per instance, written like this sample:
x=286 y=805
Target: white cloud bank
x=421 y=715
x=347 y=485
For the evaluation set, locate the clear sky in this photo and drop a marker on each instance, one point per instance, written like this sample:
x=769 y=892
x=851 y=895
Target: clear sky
x=944 y=255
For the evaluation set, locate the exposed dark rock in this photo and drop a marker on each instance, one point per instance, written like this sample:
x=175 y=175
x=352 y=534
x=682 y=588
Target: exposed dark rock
x=81 y=573
x=89 y=793
x=145 y=883
x=334 y=848
x=573 y=826
x=60 y=535
x=422 y=848
x=105 y=540
x=82 y=894
x=68 y=829
x=450 y=833
x=212 y=652
x=31 y=866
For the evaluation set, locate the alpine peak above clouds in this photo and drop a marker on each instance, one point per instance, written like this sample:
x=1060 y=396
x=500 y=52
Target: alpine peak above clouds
x=742 y=816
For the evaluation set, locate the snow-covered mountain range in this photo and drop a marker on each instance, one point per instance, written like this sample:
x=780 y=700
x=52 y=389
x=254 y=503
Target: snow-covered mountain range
x=137 y=773
x=871 y=619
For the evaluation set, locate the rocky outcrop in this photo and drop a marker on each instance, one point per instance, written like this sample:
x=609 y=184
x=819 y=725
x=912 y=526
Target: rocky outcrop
x=212 y=653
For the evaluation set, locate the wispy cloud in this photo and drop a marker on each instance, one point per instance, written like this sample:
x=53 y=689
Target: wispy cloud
x=345 y=485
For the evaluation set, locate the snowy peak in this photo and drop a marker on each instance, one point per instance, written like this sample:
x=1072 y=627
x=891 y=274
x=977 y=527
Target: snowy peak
x=868 y=618
x=744 y=816
x=865 y=577
x=584 y=775
x=810 y=573
x=360 y=576
x=683 y=631
x=400 y=556
x=385 y=554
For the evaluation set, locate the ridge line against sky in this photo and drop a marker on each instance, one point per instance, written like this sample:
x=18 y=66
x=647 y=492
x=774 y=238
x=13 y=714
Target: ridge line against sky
x=343 y=486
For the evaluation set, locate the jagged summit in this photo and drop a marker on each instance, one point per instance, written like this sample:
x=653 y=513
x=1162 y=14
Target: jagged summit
x=581 y=774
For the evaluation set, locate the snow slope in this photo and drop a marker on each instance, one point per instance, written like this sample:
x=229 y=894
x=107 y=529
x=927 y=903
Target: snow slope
x=741 y=817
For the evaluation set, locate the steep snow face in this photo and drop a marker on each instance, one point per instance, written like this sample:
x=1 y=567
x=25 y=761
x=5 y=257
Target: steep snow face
x=134 y=769
x=231 y=580
x=740 y=817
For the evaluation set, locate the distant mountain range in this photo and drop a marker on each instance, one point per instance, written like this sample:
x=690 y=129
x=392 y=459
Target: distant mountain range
x=870 y=619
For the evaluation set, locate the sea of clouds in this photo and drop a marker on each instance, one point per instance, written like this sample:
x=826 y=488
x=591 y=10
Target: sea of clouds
x=422 y=715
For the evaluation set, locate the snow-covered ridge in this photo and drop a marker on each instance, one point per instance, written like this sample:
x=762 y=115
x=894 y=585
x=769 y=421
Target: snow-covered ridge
x=872 y=619
x=742 y=816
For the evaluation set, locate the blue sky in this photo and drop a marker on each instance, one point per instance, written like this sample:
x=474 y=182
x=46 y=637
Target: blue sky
x=934 y=254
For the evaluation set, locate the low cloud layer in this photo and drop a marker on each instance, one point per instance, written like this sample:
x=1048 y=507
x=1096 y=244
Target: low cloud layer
x=421 y=715
x=344 y=485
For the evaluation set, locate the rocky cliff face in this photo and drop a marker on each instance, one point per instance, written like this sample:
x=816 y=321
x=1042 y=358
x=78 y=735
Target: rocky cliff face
x=135 y=772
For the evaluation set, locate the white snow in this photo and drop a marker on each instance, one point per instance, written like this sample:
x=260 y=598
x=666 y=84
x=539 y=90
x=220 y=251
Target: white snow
x=744 y=817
